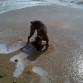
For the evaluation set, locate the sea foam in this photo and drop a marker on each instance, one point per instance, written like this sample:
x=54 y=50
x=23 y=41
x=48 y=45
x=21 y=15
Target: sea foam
x=7 y=5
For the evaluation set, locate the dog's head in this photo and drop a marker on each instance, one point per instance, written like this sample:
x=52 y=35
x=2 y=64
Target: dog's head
x=38 y=43
x=38 y=39
x=36 y=24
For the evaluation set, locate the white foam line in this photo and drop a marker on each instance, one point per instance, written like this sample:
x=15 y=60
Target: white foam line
x=20 y=65
x=24 y=4
x=19 y=69
x=4 y=49
x=42 y=73
x=22 y=61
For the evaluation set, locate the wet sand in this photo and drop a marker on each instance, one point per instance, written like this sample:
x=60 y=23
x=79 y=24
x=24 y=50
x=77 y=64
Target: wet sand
x=62 y=63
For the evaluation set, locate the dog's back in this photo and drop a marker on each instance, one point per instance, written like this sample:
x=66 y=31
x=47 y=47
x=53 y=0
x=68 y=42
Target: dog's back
x=42 y=32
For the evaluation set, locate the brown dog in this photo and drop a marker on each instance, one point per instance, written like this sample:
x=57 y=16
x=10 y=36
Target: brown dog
x=41 y=31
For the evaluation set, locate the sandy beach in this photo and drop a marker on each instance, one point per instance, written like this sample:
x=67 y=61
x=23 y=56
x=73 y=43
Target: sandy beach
x=62 y=63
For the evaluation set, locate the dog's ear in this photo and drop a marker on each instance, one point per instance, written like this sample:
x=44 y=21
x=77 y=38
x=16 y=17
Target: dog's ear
x=31 y=22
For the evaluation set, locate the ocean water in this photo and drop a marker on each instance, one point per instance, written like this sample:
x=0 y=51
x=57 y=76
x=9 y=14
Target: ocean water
x=7 y=5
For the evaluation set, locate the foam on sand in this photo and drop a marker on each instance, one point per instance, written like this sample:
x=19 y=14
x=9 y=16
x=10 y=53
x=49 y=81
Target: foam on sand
x=42 y=73
x=20 y=65
x=5 y=49
x=22 y=60
x=39 y=71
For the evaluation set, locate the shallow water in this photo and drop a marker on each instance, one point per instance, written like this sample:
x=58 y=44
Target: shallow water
x=7 y=5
